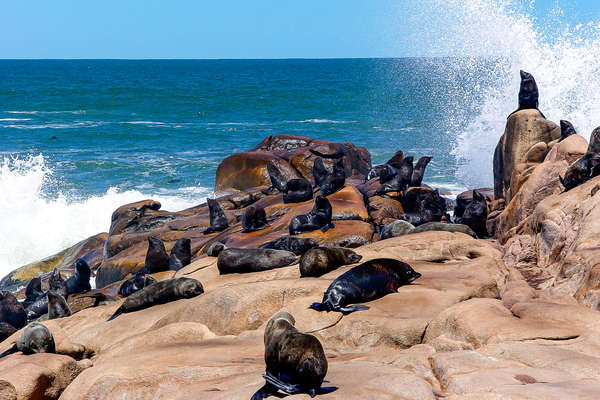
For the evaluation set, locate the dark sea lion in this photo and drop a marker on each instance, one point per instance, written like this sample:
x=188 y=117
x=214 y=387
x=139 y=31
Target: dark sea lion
x=423 y=205
x=11 y=311
x=336 y=180
x=157 y=259
x=56 y=282
x=320 y=260
x=254 y=219
x=160 y=293
x=442 y=226
x=400 y=180
x=214 y=249
x=585 y=168
x=33 y=291
x=318 y=218
x=419 y=171
x=278 y=181
x=319 y=171
x=57 y=306
x=40 y=306
x=295 y=361
x=566 y=129
x=36 y=338
x=368 y=281
x=6 y=330
x=135 y=284
x=297 y=191
x=235 y=261
x=528 y=94
x=475 y=215
x=101 y=299
x=296 y=245
x=181 y=254
x=382 y=169
x=218 y=219
x=79 y=282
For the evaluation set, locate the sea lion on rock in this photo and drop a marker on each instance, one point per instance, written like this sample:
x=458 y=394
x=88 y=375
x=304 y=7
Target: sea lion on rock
x=400 y=180
x=33 y=291
x=218 y=219
x=319 y=171
x=79 y=282
x=214 y=249
x=277 y=179
x=254 y=219
x=295 y=361
x=318 y=218
x=296 y=245
x=442 y=226
x=528 y=94
x=320 y=260
x=181 y=254
x=157 y=259
x=135 y=284
x=566 y=129
x=585 y=168
x=57 y=306
x=336 y=180
x=36 y=338
x=40 y=306
x=475 y=215
x=11 y=311
x=368 y=281
x=395 y=229
x=160 y=293
x=419 y=171
x=233 y=261
x=395 y=162
x=297 y=191
x=423 y=205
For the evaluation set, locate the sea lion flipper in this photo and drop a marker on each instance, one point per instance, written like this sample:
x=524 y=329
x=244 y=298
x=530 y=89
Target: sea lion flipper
x=13 y=349
x=288 y=388
x=350 y=309
x=325 y=228
x=115 y=315
x=318 y=306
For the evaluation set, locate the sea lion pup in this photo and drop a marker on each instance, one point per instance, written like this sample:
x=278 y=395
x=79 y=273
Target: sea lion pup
x=36 y=338
x=296 y=245
x=160 y=293
x=214 y=249
x=475 y=215
x=442 y=226
x=336 y=180
x=401 y=178
x=232 y=261
x=319 y=171
x=181 y=254
x=528 y=94
x=57 y=306
x=254 y=219
x=318 y=218
x=79 y=282
x=295 y=361
x=395 y=162
x=11 y=311
x=587 y=167
x=320 y=260
x=297 y=191
x=218 y=219
x=101 y=299
x=135 y=284
x=278 y=181
x=368 y=281
x=33 y=291
x=566 y=129
x=419 y=171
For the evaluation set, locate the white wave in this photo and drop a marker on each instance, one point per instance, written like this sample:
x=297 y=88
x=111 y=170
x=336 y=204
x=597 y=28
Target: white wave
x=144 y=123
x=14 y=119
x=319 y=121
x=47 y=112
x=34 y=227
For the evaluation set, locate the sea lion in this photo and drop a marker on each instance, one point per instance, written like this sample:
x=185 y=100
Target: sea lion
x=232 y=261
x=336 y=180
x=36 y=338
x=101 y=299
x=181 y=254
x=297 y=191
x=320 y=260
x=278 y=181
x=442 y=226
x=135 y=284
x=423 y=205
x=319 y=171
x=296 y=245
x=395 y=229
x=400 y=180
x=475 y=215
x=419 y=171
x=318 y=218
x=33 y=291
x=214 y=249
x=40 y=307
x=566 y=129
x=160 y=293
x=254 y=219
x=368 y=281
x=528 y=94
x=585 y=168
x=11 y=311
x=57 y=306
x=6 y=330
x=157 y=259
x=395 y=162
x=295 y=361
x=79 y=282
x=218 y=219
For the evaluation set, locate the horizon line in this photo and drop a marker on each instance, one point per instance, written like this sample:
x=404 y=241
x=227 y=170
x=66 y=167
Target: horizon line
x=230 y=59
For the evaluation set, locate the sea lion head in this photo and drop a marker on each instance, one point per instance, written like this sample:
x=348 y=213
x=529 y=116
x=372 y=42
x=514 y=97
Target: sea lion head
x=83 y=268
x=214 y=249
x=188 y=288
x=281 y=321
x=528 y=92
x=36 y=338
x=405 y=272
x=352 y=257
x=566 y=129
x=396 y=160
x=321 y=204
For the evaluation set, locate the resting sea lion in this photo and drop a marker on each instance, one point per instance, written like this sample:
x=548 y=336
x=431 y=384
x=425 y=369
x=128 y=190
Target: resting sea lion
x=214 y=249
x=278 y=181
x=396 y=229
x=36 y=338
x=57 y=306
x=419 y=171
x=295 y=361
x=79 y=282
x=11 y=311
x=368 y=281
x=475 y=215
x=160 y=293
x=336 y=180
x=218 y=219
x=442 y=226
x=157 y=259
x=33 y=291
x=233 y=261
x=135 y=284
x=318 y=218
x=296 y=245
x=320 y=260
x=181 y=254
x=566 y=129
x=587 y=167
x=297 y=191
x=528 y=94
x=254 y=219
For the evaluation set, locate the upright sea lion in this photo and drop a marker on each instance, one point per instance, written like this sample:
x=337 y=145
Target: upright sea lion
x=214 y=249
x=319 y=171
x=320 y=260
x=36 y=338
x=11 y=311
x=400 y=180
x=528 y=94
x=57 y=306
x=566 y=129
x=318 y=218
x=587 y=167
x=278 y=181
x=395 y=162
x=181 y=254
x=295 y=361
x=235 y=261
x=296 y=245
x=442 y=226
x=419 y=171
x=475 y=215
x=135 y=284
x=336 y=180
x=40 y=306
x=368 y=281
x=33 y=291
x=160 y=293
x=157 y=259
x=254 y=219
x=297 y=191
x=218 y=219
x=79 y=282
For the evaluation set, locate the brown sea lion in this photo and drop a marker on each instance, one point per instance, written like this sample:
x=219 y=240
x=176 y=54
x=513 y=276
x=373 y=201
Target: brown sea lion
x=33 y=291
x=235 y=261
x=181 y=254
x=320 y=260
x=419 y=171
x=335 y=180
x=318 y=218
x=57 y=306
x=79 y=282
x=214 y=249
x=157 y=259
x=475 y=215
x=297 y=191
x=395 y=162
x=11 y=311
x=368 y=281
x=218 y=219
x=254 y=219
x=36 y=338
x=135 y=284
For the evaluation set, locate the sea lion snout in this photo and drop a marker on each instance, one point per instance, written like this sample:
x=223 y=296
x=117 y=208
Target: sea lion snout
x=415 y=275
x=354 y=258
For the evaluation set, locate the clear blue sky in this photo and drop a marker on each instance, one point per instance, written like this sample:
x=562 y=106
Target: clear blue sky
x=228 y=28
